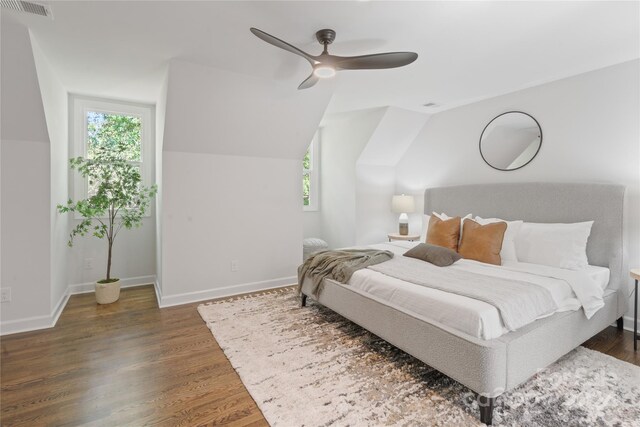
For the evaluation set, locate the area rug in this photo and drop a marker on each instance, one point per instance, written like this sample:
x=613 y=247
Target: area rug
x=311 y=367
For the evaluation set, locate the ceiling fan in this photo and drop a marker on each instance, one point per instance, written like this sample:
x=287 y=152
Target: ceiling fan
x=326 y=65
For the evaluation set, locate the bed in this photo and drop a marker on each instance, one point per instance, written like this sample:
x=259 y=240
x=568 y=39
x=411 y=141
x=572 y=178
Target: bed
x=486 y=358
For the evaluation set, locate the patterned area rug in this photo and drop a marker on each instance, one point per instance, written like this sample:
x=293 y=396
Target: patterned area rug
x=312 y=367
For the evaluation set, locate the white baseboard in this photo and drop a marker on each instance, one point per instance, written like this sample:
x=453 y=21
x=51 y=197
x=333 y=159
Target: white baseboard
x=628 y=323
x=57 y=311
x=25 y=325
x=36 y=322
x=157 y=286
x=44 y=322
x=227 y=291
x=129 y=282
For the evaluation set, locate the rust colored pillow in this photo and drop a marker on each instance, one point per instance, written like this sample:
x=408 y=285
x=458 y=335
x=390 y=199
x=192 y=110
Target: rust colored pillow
x=444 y=233
x=482 y=242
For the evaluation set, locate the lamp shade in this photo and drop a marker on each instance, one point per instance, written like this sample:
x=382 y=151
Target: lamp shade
x=403 y=204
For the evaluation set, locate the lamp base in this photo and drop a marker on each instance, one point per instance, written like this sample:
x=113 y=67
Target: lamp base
x=403 y=229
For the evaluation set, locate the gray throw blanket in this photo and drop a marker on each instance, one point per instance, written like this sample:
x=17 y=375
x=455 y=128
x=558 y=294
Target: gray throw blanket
x=338 y=265
x=518 y=302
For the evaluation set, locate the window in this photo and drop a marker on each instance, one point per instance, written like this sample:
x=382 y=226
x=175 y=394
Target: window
x=310 y=181
x=101 y=124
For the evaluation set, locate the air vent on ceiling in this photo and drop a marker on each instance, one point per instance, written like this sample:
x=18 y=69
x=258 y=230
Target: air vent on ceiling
x=28 y=7
x=430 y=104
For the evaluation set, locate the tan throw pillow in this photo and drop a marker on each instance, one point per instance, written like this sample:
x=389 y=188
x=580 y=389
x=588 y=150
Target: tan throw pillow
x=436 y=255
x=444 y=233
x=482 y=242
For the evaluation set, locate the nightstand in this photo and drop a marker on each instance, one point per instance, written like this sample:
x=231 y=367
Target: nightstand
x=409 y=237
x=635 y=275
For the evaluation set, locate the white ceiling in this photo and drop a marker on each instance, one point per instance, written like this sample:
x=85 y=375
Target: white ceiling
x=467 y=50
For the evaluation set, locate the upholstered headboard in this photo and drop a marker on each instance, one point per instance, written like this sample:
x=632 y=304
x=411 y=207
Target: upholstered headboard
x=549 y=202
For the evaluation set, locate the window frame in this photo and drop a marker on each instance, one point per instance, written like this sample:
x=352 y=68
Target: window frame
x=80 y=106
x=314 y=181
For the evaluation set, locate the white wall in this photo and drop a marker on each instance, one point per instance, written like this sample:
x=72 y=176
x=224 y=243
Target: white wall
x=25 y=230
x=161 y=106
x=359 y=152
x=55 y=101
x=232 y=181
x=133 y=259
x=342 y=139
x=247 y=209
x=25 y=220
x=590 y=126
x=312 y=224
x=376 y=175
x=375 y=186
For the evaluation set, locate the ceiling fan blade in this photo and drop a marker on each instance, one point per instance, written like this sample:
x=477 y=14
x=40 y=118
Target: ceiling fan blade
x=308 y=82
x=282 y=44
x=375 y=61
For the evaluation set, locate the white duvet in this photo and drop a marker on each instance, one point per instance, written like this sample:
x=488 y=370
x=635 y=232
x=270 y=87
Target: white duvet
x=570 y=289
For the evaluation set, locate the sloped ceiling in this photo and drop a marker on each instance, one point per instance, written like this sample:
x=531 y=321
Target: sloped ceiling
x=22 y=115
x=392 y=137
x=209 y=110
x=468 y=50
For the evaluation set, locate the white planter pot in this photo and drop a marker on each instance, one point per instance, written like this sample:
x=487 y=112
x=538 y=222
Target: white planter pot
x=106 y=293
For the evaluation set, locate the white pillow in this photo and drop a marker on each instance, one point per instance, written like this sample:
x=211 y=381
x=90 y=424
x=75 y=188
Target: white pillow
x=555 y=245
x=508 y=251
x=444 y=217
x=425 y=227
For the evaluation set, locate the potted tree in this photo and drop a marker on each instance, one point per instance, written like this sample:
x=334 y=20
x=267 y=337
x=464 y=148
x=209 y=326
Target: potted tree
x=117 y=199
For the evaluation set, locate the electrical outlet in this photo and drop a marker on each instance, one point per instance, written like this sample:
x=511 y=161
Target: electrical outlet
x=5 y=295
x=234 y=265
x=88 y=263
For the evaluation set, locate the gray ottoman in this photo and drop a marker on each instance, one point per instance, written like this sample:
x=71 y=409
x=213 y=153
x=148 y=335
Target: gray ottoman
x=311 y=245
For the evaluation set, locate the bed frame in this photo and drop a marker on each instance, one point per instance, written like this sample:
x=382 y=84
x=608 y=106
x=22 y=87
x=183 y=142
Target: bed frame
x=492 y=367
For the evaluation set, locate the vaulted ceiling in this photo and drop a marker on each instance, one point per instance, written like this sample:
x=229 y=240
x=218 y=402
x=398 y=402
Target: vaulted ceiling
x=467 y=50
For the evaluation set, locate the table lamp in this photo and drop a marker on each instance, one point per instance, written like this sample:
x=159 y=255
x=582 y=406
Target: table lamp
x=403 y=205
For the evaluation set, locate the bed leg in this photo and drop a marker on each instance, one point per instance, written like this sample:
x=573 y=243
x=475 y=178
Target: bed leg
x=486 y=408
x=620 y=323
x=303 y=300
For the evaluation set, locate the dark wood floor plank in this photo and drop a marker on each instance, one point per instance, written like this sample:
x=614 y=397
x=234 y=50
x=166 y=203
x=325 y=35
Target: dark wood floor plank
x=132 y=364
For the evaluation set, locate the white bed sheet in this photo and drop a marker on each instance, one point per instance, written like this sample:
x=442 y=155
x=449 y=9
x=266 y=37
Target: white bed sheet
x=474 y=317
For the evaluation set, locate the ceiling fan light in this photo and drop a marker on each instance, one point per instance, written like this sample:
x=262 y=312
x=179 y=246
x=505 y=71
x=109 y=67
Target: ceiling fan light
x=324 y=71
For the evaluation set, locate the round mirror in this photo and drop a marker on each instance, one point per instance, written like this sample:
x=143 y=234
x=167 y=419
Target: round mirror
x=510 y=141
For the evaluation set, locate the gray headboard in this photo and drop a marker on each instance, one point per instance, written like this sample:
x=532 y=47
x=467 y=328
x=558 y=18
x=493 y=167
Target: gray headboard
x=548 y=202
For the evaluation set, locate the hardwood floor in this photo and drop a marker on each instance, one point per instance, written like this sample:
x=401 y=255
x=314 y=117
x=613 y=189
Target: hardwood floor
x=127 y=363
x=618 y=344
x=130 y=363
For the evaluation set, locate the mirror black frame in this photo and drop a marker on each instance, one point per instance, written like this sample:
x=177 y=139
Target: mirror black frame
x=491 y=121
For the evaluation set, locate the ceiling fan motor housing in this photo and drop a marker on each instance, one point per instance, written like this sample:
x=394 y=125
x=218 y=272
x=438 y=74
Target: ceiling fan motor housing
x=326 y=36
